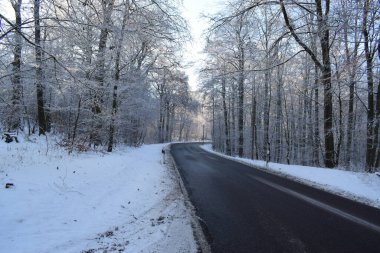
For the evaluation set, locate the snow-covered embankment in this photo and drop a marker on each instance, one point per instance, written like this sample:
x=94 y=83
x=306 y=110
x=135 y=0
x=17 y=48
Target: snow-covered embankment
x=125 y=201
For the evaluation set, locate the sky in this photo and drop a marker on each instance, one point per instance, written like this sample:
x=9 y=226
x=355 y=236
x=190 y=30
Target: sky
x=6 y=8
x=192 y=11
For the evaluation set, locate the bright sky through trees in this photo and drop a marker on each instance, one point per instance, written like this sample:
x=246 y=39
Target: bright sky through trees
x=193 y=10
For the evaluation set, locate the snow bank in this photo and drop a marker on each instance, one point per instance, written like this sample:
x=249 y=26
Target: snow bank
x=363 y=187
x=125 y=201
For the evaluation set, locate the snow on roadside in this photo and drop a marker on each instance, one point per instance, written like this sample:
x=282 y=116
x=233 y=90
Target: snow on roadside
x=94 y=202
x=362 y=187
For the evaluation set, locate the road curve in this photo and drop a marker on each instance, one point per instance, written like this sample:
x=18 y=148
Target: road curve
x=244 y=209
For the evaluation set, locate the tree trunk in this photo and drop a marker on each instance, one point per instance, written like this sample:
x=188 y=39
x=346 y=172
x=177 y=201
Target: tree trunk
x=304 y=155
x=48 y=112
x=287 y=134
x=15 y=115
x=326 y=82
x=310 y=125
x=113 y=115
x=279 y=119
x=328 y=119
x=340 y=121
x=76 y=124
x=167 y=121
x=352 y=65
x=213 y=122
x=254 y=152
x=233 y=120
x=371 y=138
x=107 y=7
x=267 y=96
x=241 y=102
x=350 y=120
x=116 y=81
x=350 y=117
x=38 y=55
x=161 y=118
x=225 y=114
x=316 y=118
x=266 y=115
x=377 y=125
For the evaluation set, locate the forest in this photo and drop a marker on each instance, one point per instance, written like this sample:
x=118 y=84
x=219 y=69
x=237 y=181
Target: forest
x=95 y=72
x=296 y=82
x=285 y=81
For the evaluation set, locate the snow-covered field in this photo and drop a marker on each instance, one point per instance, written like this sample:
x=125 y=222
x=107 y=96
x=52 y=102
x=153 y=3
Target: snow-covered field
x=91 y=202
x=363 y=187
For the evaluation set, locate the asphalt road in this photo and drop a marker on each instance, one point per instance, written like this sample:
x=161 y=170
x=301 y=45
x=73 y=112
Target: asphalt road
x=244 y=209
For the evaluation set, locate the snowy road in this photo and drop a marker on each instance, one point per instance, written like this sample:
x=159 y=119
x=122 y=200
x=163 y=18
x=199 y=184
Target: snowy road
x=247 y=210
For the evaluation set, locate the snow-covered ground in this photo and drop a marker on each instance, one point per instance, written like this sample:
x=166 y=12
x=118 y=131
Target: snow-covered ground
x=91 y=202
x=363 y=187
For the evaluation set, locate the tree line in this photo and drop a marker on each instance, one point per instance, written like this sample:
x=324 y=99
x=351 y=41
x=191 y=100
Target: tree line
x=96 y=72
x=296 y=81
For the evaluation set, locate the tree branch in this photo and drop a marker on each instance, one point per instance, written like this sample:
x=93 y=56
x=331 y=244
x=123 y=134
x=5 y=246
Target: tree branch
x=295 y=36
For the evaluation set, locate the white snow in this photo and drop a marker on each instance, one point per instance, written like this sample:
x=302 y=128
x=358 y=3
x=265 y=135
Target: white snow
x=363 y=187
x=91 y=202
